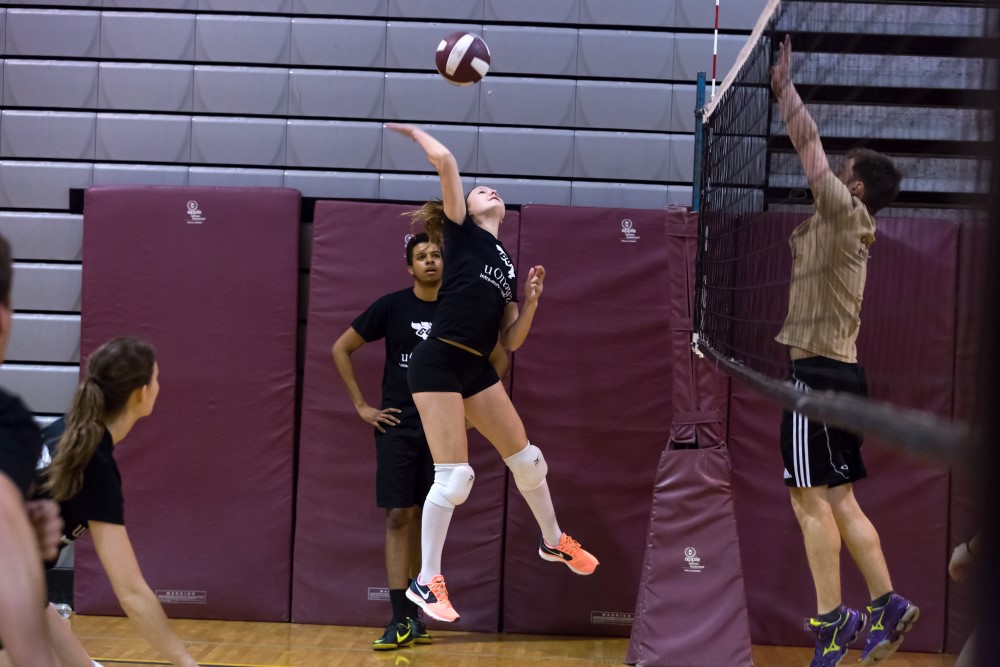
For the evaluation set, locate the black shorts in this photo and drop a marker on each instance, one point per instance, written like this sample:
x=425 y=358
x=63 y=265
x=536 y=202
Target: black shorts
x=813 y=453
x=404 y=468
x=437 y=366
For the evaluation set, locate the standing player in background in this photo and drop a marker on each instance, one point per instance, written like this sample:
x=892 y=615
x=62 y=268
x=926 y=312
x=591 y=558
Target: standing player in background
x=404 y=468
x=27 y=532
x=829 y=268
x=452 y=381
x=120 y=388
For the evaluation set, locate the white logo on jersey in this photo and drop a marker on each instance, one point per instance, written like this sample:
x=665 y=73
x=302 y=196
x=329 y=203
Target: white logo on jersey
x=505 y=260
x=422 y=328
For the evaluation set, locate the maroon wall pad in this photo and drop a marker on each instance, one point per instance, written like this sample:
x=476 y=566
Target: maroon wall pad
x=358 y=255
x=912 y=273
x=209 y=276
x=592 y=385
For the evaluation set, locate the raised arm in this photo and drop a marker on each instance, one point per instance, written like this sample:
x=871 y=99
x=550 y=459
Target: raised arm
x=134 y=594
x=445 y=165
x=345 y=346
x=516 y=324
x=801 y=127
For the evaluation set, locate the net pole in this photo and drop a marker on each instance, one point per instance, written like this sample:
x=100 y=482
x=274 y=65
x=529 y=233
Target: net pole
x=715 y=47
x=699 y=108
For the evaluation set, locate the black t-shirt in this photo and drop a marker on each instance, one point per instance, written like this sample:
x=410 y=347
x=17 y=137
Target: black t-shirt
x=478 y=282
x=403 y=319
x=20 y=442
x=100 y=498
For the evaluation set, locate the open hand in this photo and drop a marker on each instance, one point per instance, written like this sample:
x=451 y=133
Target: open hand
x=403 y=129
x=781 y=72
x=533 y=287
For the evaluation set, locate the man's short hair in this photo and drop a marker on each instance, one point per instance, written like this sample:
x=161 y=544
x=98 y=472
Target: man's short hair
x=414 y=241
x=5 y=272
x=880 y=176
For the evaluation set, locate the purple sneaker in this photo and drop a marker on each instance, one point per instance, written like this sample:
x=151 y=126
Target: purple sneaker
x=888 y=625
x=833 y=639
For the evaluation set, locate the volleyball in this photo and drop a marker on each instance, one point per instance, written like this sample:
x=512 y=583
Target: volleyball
x=462 y=58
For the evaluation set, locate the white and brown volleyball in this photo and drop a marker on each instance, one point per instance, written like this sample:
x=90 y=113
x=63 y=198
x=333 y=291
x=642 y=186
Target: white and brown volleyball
x=462 y=58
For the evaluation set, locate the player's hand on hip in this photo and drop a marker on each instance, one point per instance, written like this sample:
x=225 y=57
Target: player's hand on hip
x=533 y=286
x=44 y=516
x=378 y=418
x=781 y=72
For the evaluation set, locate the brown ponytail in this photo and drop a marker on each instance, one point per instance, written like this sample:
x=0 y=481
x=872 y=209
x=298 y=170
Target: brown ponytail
x=432 y=215
x=114 y=371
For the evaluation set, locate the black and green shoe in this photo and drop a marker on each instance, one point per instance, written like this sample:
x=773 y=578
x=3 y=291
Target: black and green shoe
x=419 y=631
x=396 y=635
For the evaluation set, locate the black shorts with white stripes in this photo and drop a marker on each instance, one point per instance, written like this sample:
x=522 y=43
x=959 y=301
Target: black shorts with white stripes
x=813 y=453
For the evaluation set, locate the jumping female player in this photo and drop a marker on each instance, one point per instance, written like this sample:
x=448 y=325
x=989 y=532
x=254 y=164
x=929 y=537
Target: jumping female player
x=452 y=380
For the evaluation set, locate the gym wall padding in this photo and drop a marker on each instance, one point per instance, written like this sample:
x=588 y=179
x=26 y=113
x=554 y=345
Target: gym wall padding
x=208 y=275
x=339 y=564
x=592 y=384
x=912 y=278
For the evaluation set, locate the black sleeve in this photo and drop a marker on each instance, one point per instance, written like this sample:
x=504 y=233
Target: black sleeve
x=20 y=443
x=374 y=322
x=101 y=498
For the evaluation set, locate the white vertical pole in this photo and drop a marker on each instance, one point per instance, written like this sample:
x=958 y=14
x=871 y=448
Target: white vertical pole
x=715 y=46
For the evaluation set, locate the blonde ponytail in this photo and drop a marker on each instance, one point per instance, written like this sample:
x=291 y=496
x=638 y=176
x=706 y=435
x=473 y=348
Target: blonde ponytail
x=84 y=430
x=432 y=215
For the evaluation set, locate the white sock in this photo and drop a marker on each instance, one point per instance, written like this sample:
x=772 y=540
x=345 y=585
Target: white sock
x=527 y=473
x=433 y=531
x=540 y=502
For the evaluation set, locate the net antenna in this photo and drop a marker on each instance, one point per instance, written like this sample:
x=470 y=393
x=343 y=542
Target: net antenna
x=743 y=254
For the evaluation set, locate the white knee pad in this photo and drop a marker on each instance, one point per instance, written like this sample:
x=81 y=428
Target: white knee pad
x=452 y=484
x=528 y=467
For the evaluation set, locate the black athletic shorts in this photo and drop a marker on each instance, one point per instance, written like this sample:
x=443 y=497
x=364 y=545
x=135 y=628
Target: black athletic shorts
x=437 y=366
x=404 y=468
x=813 y=453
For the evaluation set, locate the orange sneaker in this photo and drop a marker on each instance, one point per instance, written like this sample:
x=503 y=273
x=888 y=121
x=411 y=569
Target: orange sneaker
x=433 y=599
x=571 y=553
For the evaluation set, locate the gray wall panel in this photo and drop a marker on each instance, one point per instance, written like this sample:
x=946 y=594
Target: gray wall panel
x=679 y=194
x=681 y=157
x=148 y=36
x=373 y=8
x=338 y=42
x=140 y=174
x=623 y=105
x=524 y=152
x=621 y=156
x=621 y=195
x=630 y=12
x=400 y=154
x=151 y=4
x=521 y=191
x=49 y=32
x=532 y=11
x=243 y=178
x=740 y=15
x=238 y=141
x=241 y=90
x=54 y=287
x=693 y=54
x=41 y=185
x=130 y=87
x=412 y=46
x=3 y=30
x=414 y=187
x=43 y=388
x=333 y=184
x=510 y=101
x=45 y=338
x=43 y=236
x=68 y=3
x=459 y=10
x=334 y=144
x=335 y=94
x=143 y=138
x=429 y=98
x=682 y=108
x=626 y=54
x=532 y=50
x=243 y=39
x=266 y=6
x=50 y=83
x=47 y=134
